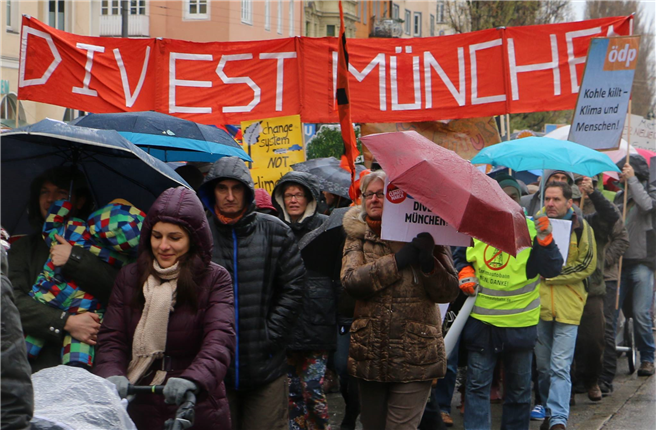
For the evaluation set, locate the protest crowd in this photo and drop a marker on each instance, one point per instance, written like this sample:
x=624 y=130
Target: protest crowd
x=227 y=300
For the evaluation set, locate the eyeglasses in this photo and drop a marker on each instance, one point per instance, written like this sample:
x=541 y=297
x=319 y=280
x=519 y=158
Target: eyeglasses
x=296 y=197
x=369 y=195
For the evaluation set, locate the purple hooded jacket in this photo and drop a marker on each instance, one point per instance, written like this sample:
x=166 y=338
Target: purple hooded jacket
x=199 y=345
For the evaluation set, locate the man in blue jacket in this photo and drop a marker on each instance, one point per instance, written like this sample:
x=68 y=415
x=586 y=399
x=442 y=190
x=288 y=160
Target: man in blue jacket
x=262 y=256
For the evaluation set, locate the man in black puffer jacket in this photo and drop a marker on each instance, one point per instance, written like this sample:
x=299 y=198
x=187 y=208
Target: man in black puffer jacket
x=262 y=256
x=295 y=197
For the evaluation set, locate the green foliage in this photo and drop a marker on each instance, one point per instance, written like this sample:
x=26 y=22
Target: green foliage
x=328 y=143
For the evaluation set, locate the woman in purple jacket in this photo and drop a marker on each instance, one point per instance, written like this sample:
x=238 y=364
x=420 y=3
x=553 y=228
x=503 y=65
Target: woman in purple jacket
x=170 y=318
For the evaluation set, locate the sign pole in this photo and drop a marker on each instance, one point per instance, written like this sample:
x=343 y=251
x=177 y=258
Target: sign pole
x=626 y=194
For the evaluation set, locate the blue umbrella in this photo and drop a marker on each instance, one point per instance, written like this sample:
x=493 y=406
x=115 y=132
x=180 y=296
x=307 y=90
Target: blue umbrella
x=167 y=137
x=113 y=167
x=532 y=153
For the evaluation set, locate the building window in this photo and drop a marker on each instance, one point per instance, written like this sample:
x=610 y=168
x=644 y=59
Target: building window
x=247 y=11
x=291 y=17
x=432 y=25
x=385 y=10
x=364 y=13
x=267 y=15
x=330 y=30
x=13 y=17
x=197 y=9
x=57 y=14
x=407 y=22
x=440 y=12
x=279 y=17
x=416 y=25
x=396 y=11
x=137 y=7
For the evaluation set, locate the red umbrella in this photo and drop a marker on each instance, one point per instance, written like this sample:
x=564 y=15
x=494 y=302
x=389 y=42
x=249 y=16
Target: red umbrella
x=451 y=187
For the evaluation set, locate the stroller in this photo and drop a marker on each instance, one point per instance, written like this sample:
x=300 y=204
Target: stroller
x=91 y=402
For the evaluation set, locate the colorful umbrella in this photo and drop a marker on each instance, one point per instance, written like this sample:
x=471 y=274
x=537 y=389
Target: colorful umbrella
x=546 y=153
x=167 y=137
x=451 y=187
x=334 y=179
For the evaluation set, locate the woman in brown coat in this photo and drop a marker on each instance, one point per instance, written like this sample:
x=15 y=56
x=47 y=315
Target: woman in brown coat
x=396 y=337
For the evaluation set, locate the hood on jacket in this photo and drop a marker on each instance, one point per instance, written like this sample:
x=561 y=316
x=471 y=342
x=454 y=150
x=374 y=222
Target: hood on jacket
x=548 y=172
x=354 y=222
x=639 y=164
x=263 y=199
x=180 y=206
x=312 y=190
x=227 y=168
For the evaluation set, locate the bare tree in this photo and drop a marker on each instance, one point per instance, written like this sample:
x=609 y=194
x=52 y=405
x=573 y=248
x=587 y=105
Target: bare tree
x=643 y=94
x=471 y=15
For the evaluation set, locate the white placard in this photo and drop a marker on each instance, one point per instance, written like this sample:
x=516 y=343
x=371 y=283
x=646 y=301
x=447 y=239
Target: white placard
x=561 y=229
x=404 y=218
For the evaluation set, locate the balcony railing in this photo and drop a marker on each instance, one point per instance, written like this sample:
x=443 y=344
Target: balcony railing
x=138 y=25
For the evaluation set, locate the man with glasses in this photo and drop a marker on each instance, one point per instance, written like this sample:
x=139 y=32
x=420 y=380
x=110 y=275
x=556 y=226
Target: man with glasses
x=262 y=256
x=295 y=197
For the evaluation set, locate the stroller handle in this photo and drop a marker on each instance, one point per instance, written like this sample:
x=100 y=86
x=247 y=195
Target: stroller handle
x=138 y=389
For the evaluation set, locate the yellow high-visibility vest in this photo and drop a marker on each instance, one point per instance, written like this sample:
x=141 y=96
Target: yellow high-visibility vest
x=505 y=297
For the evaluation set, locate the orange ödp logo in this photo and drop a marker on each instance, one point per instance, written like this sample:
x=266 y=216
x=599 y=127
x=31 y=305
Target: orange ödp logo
x=622 y=53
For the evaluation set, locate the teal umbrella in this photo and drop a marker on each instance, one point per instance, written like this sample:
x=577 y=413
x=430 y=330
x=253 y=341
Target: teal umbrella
x=546 y=153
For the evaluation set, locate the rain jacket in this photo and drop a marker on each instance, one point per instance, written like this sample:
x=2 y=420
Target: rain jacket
x=316 y=328
x=602 y=218
x=262 y=256
x=396 y=335
x=640 y=215
x=26 y=259
x=562 y=298
x=531 y=203
x=17 y=395
x=199 y=342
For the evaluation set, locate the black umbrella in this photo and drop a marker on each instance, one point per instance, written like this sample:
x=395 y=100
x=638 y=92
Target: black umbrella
x=323 y=246
x=167 y=137
x=333 y=178
x=113 y=167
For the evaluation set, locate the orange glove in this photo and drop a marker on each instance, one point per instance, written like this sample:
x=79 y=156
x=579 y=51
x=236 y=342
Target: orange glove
x=468 y=280
x=543 y=227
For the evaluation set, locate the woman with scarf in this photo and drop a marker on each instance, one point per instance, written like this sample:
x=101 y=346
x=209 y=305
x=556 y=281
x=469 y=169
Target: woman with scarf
x=170 y=319
x=396 y=337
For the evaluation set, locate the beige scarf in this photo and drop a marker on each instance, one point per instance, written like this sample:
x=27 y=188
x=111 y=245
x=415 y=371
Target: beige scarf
x=150 y=336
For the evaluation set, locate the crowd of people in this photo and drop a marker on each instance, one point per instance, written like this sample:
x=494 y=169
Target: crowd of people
x=210 y=292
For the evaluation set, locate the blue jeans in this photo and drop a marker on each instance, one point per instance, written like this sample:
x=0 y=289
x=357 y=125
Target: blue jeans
x=554 y=353
x=444 y=389
x=517 y=401
x=639 y=281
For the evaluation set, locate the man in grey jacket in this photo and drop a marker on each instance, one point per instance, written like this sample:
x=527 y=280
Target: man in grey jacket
x=637 y=276
x=532 y=202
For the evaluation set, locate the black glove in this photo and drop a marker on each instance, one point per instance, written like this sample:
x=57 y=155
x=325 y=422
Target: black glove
x=406 y=256
x=425 y=245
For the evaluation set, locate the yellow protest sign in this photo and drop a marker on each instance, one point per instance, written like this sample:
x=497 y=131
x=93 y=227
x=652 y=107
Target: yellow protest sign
x=274 y=144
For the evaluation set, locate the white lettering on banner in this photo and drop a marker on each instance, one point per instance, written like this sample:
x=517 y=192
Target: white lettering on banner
x=416 y=82
x=280 y=56
x=379 y=60
x=475 y=100
x=515 y=69
x=129 y=97
x=22 y=82
x=239 y=80
x=459 y=96
x=571 y=59
x=85 y=90
x=174 y=82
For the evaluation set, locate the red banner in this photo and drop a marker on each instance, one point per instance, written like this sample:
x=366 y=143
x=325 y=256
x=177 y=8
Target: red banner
x=484 y=73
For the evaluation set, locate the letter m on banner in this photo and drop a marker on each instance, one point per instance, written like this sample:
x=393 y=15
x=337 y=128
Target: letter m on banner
x=344 y=108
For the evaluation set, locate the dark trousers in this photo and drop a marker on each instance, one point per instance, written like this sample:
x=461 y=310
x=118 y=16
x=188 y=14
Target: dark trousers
x=432 y=418
x=609 y=366
x=590 y=342
x=348 y=385
x=262 y=408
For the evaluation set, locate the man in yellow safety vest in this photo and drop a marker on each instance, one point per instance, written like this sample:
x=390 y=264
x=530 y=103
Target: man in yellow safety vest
x=503 y=321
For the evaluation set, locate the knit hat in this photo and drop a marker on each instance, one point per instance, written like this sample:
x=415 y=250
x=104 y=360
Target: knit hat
x=576 y=193
x=505 y=180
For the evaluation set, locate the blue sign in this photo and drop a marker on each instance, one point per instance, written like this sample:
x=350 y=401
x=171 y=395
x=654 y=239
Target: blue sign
x=309 y=130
